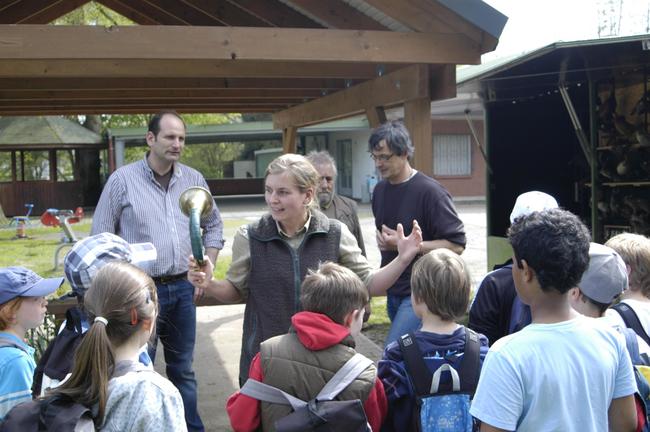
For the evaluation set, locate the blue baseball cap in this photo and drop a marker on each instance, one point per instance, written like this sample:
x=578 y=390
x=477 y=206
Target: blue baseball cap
x=22 y=282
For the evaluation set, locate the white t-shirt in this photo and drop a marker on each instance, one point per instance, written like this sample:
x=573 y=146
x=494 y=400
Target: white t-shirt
x=554 y=377
x=642 y=310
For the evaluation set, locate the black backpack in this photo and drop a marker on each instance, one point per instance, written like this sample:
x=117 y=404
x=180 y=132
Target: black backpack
x=631 y=320
x=53 y=414
x=322 y=413
x=56 y=361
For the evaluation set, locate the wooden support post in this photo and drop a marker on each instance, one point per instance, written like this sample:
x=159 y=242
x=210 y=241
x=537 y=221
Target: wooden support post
x=376 y=116
x=289 y=139
x=53 y=167
x=417 y=119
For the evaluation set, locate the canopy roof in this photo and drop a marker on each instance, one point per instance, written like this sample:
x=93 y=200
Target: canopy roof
x=304 y=60
x=45 y=132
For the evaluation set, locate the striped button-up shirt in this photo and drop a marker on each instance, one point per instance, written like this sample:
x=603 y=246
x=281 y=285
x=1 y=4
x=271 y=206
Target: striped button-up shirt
x=134 y=206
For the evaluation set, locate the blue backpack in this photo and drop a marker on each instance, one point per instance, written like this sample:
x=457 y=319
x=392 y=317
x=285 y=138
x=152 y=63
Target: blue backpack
x=641 y=366
x=442 y=405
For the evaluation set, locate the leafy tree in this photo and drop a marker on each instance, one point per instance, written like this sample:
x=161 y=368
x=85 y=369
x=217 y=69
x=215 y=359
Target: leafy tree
x=93 y=14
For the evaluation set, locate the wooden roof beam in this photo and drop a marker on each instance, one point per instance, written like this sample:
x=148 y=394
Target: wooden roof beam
x=149 y=83
x=430 y=17
x=233 y=43
x=226 y=13
x=181 y=10
x=389 y=90
x=298 y=95
x=276 y=13
x=107 y=105
x=337 y=14
x=143 y=14
x=37 y=11
x=183 y=69
x=122 y=110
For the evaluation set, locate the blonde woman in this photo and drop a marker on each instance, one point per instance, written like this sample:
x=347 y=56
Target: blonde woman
x=271 y=257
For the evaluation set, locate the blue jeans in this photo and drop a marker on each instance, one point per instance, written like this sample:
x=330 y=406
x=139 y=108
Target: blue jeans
x=176 y=328
x=402 y=317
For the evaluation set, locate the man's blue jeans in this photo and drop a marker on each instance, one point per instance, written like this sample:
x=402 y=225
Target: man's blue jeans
x=402 y=317
x=176 y=328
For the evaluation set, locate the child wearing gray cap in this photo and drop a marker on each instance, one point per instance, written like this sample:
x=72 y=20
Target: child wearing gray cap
x=81 y=264
x=22 y=307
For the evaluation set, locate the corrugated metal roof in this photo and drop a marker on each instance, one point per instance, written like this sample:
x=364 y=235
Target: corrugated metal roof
x=16 y=131
x=470 y=73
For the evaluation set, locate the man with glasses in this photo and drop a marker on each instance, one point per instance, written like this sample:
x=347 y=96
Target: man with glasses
x=404 y=194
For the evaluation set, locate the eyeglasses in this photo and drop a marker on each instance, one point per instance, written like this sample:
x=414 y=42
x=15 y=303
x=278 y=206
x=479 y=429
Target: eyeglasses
x=381 y=157
x=328 y=179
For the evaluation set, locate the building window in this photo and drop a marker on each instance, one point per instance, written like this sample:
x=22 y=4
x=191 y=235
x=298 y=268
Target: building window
x=5 y=166
x=452 y=155
x=65 y=165
x=36 y=165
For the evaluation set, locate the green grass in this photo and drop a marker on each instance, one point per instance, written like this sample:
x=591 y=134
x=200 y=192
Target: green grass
x=37 y=251
x=379 y=315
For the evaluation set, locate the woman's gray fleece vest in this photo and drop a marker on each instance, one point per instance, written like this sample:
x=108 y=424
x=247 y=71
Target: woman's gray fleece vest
x=276 y=273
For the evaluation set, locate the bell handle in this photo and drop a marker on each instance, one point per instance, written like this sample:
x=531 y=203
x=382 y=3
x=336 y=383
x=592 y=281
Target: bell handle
x=195 y=235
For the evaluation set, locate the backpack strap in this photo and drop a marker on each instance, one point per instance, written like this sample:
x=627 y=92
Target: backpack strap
x=470 y=366
x=631 y=320
x=341 y=379
x=344 y=377
x=631 y=343
x=264 y=392
x=73 y=319
x=419 y=373
x=5 y=342
x=423 y=380
x=435 y=381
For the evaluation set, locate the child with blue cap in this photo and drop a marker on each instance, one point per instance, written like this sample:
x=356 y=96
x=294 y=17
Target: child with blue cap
x=22 y=307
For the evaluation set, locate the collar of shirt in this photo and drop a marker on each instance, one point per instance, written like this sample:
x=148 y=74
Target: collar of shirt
x=299 y=232
x=329 y=204
x=176 y=169
x=12 y=337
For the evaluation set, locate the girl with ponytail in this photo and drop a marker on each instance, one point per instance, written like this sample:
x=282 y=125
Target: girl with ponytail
x=125 y=395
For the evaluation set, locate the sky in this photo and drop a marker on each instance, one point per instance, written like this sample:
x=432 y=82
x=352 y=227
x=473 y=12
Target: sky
x=536 y=23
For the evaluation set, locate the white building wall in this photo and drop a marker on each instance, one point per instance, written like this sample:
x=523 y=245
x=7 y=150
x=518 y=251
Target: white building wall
x=362 y=165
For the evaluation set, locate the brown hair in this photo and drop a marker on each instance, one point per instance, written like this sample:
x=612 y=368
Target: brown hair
x=440 y=278
x=301 y=171
x=117 y=290
x=8 y=312
x=154 y=121
x=635 y=251
x=333 y=290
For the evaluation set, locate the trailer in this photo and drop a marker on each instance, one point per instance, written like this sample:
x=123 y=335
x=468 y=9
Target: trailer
x=571 y=120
